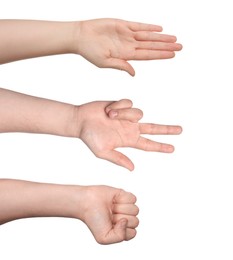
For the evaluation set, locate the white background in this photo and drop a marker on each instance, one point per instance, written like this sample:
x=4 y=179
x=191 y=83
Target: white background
x=185 y=198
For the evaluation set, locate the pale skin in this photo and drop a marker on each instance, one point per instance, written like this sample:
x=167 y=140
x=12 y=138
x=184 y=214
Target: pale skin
x=109 y=213
x=107 y=43
x=103 y=126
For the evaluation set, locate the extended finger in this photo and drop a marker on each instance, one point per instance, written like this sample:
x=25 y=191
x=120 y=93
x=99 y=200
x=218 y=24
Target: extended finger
x=133 y=221
x=119 y=65
x=152 y=55
x=127 y=209
x=123 y=103
x=150 y=45
x=130 y=114
x=117 y=158
x=156 y=129
x=135 y=26
x=157 y=37
x=149 y=145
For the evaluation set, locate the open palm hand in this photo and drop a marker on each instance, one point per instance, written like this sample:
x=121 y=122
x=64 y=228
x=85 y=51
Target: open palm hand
x=110 y=43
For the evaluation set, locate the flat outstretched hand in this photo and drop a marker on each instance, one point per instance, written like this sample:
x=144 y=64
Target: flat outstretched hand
x=110 y=43
x=105 y=126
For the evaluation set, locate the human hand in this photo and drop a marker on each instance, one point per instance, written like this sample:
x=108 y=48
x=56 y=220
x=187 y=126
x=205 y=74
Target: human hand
x=110 y=214
x=110 y=43
x=97 y=129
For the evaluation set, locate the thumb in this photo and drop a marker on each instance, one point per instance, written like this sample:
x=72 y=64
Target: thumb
x=118 y=158
x=119 y=231
x=121 y=65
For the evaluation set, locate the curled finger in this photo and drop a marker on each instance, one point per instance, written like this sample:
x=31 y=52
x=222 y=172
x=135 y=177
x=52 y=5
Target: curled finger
x=127 y=209
x=133 y=222
x=131 y=114
x=123 y=103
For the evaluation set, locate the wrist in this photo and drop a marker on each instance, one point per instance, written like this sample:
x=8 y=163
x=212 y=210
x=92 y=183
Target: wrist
x=67 y=121
x=75 y=37
x=72 y=201
x=76 y=125
x=78 y=196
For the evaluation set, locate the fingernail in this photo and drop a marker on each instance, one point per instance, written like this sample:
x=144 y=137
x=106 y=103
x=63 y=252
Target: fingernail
x=113 y=114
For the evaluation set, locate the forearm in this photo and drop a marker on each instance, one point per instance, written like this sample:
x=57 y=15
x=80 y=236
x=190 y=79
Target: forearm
x=24 y=113
x=23 y=39
x=23 y=199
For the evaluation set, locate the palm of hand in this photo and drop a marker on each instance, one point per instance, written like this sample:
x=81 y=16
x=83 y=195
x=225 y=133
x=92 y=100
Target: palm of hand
x=103 y=135
x=105 y=40
x=110 y=43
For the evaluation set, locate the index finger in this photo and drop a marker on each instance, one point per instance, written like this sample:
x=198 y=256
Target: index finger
x=135 y=26
x=155 y=129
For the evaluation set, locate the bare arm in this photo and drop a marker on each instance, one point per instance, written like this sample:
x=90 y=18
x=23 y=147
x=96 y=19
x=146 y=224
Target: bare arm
x=109 y=213
x=103 y=126
x=23 y=39
x=107 y=43
x=29 y=114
